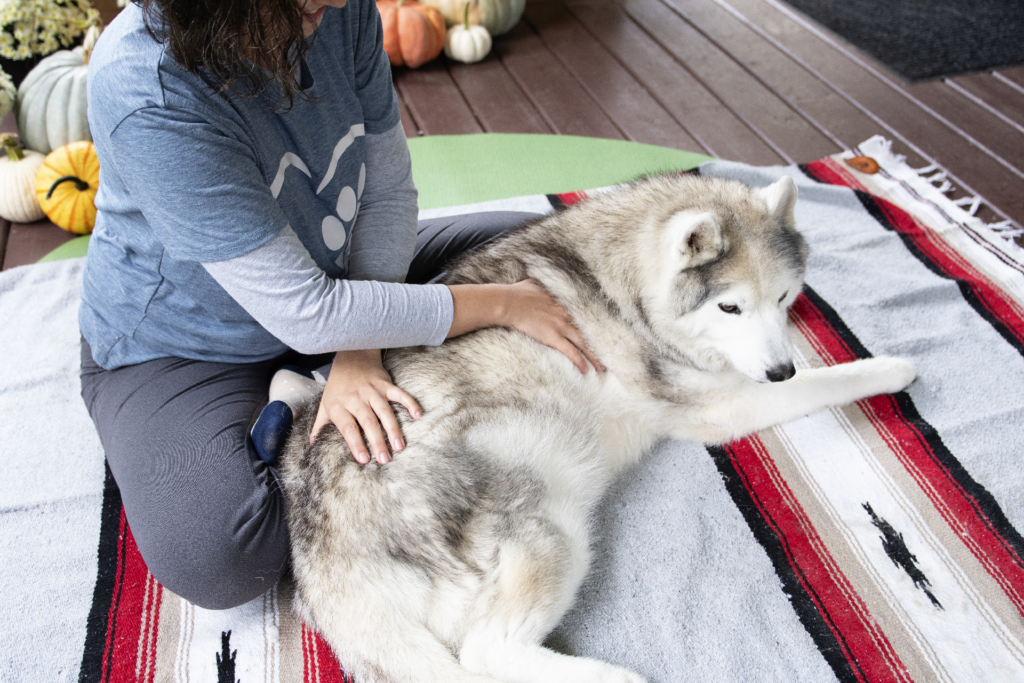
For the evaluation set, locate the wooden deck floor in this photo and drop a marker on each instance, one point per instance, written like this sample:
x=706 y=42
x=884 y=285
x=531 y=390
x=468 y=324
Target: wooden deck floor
x=746 y=80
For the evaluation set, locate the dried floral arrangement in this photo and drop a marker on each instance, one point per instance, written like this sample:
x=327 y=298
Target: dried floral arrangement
x=39 y=27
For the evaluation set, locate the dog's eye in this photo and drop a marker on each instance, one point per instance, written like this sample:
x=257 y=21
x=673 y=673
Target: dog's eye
x=783 y=297
x=730 y=308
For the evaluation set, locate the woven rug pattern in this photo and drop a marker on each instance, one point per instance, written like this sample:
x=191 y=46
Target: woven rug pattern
x=873 y=542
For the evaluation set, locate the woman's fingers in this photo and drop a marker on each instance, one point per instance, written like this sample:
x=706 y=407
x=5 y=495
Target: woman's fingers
x=322 y=419
x=367 y=421
x=576 y=337
x=570 y=350
x=547 y=321
x=346 y=425
x=370 y=418
x=396 y=394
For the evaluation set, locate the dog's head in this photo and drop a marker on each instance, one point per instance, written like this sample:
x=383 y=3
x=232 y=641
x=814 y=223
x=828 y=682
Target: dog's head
x=732 y=263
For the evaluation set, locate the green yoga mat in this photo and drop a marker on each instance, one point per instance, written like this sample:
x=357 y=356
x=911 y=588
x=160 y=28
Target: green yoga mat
x=450 y=170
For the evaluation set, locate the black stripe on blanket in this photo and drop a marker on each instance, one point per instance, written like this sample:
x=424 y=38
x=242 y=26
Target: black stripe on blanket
x=982 y=500
x=802 y=601
x=774 y=545
x=969 y=290
x=106 y=582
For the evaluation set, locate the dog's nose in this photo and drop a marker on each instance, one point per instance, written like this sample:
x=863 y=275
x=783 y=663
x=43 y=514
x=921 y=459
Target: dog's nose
x=781 y=373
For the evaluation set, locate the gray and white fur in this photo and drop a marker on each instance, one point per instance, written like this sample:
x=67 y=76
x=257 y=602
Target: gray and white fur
x=453 y=562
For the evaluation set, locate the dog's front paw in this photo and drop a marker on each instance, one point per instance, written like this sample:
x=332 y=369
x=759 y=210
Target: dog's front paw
x=887 y=374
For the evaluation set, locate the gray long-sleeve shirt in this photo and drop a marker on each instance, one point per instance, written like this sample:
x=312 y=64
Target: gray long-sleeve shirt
x=280 y=286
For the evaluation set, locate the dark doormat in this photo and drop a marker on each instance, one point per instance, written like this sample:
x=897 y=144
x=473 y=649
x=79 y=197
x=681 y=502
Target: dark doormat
x=927 y=39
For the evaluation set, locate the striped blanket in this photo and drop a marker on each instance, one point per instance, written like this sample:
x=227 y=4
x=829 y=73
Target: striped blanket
x=874 y=542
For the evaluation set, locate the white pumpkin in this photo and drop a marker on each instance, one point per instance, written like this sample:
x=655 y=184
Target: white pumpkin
x=497 y=16
x=467 y=44
x=18 y=170
x=51 y=106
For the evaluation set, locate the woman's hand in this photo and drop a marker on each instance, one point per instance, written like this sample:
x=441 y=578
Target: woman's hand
x=524 y=306
x=357 y=394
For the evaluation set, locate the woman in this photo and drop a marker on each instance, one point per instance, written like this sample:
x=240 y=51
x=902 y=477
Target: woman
x=256 y=203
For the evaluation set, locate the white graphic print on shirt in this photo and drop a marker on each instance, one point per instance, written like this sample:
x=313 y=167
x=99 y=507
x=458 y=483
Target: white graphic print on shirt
x=332 y=228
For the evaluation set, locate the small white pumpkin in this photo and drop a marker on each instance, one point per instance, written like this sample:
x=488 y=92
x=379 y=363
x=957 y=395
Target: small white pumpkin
x=51 y=106
x=497 y=16
x=18 y=169
x=465 y=43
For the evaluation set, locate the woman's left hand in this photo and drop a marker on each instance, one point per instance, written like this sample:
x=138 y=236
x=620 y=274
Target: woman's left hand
x=358 y=395
x=523 y=306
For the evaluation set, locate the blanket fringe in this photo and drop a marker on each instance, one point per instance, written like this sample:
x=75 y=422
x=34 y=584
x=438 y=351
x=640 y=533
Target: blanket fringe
x=940 y=180
x=935 y=178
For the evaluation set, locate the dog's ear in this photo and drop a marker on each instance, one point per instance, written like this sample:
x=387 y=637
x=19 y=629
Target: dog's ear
x=781 y=200
x=695 y=238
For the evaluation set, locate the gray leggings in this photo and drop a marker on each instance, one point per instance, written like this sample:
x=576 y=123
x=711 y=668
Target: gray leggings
x=206 y=512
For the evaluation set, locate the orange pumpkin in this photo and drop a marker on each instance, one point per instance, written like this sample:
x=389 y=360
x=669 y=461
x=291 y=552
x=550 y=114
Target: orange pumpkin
x=414 y=33
x=66 y=186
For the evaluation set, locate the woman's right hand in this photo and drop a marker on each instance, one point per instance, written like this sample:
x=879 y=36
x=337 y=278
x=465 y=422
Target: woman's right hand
x=524 y=306
x=358 y=396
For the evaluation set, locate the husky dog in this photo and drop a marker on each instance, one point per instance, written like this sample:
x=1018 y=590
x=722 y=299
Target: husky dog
x=451 y=563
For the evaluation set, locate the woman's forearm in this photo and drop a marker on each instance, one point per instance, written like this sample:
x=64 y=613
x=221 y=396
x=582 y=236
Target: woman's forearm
x=477 y=307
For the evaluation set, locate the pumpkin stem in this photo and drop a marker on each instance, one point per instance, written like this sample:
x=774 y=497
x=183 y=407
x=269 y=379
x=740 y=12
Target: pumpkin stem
x=15 y=152
x=80 y=184
x=465 y=17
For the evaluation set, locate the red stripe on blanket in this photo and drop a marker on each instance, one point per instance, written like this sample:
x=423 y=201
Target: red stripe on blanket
x=957 y=507
x=865 y=647
x=319 y=665
x=569 y=198
x=133 y=619
x=935 y=251
x=961 y=510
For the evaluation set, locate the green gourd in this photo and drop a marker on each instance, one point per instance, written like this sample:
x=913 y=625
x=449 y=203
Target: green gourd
x=497 y=16
x=51 y=105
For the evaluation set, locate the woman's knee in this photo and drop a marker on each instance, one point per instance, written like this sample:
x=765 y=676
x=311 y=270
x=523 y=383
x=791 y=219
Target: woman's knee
x=219 y=569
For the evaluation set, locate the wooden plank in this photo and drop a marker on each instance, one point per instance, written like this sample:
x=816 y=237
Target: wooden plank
x=563 y=103
x=1004 y=97
x=795 y=83
x=434 y=100
x=621 y=97
x=409 y=125
x=840 y=65
x=716 y=128
x=792 y=136
x=1014 y=74
x=108 y=9
x=29 y=242
x=495 y=98
x=5 y=230
x=998 y=138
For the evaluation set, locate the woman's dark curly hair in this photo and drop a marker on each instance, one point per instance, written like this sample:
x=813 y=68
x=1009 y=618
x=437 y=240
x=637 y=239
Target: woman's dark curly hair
x=250 y=42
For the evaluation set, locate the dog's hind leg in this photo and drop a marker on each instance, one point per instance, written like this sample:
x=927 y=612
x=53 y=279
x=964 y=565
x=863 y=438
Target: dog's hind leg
x=405 y=653
x=536 y=583
x=497 y=654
